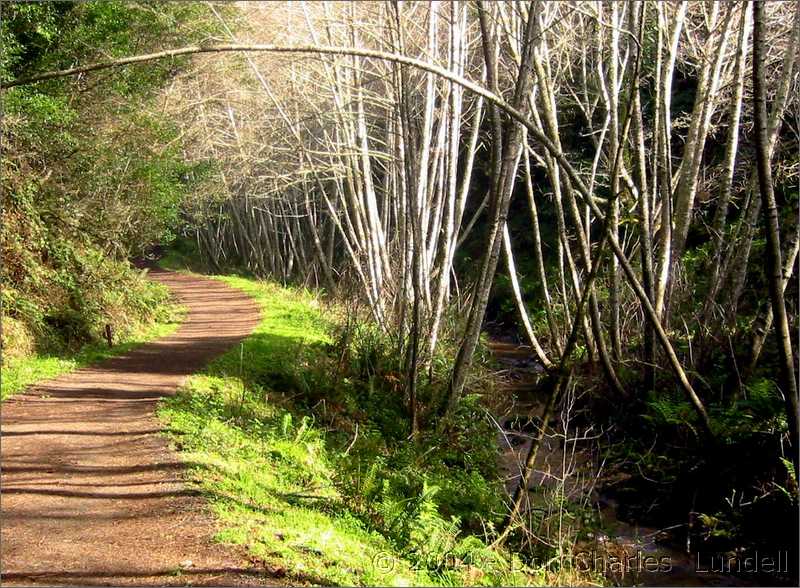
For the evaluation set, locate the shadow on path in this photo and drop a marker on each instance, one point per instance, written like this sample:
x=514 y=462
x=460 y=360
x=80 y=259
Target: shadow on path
x=89 y=491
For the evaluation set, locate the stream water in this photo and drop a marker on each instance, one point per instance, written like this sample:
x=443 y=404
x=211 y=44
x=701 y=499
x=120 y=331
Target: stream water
x=627 y=553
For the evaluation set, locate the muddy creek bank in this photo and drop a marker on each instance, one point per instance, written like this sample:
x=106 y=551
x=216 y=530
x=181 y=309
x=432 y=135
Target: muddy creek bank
x=570 y=467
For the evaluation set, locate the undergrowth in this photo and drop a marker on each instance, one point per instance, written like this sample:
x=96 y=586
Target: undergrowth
x=719 y=498
x=18 y=372
x=302 y=447
x=59 y=293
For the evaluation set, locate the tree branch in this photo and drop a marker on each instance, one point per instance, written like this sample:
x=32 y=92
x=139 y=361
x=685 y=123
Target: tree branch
x=493 y=98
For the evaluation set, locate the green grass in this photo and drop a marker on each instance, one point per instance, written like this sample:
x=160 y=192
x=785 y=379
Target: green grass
x=21 y=372
x=307 y=463
x=267 y=471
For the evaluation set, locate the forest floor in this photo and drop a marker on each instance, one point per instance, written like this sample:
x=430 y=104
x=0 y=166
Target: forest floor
x=91 y=492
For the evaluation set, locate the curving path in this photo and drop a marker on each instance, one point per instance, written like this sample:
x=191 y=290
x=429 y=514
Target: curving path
x=90 y=494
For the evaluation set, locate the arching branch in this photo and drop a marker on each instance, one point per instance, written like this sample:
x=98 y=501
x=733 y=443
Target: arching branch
x=493 y=98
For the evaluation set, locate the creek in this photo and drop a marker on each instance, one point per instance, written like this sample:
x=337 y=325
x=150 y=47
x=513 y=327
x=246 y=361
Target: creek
x=569 y=469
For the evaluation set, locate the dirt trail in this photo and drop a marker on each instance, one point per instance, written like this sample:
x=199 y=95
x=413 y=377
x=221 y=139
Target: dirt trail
x=90 y=494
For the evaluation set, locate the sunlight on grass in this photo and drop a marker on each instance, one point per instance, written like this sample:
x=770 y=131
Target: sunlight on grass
x=267 y=472
x=325 y=501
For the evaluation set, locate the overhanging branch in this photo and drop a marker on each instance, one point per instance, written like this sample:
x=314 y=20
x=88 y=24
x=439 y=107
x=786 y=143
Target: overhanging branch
x=444 y=73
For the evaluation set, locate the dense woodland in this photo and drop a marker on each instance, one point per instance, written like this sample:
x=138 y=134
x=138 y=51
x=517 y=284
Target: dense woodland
x=612 y=185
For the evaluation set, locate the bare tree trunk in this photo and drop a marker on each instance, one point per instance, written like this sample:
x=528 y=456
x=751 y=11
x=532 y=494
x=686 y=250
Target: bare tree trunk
x=520 y=303
x=761 y=326
x=644 y=208
x=770 y=210
x=705 y=104
x=508 y=151
x=665 y=156
x=539 y=257
x=731 y=147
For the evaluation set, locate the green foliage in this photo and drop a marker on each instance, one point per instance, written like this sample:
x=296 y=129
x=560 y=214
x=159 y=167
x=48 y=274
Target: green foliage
x=269 y=482
x=736 y=483
x=65 y=290
x=670 y=410
x=759 y=411
x=716 y=526
x=360 y=382
x=92 y=172
x=306 y=458
x=94 y=156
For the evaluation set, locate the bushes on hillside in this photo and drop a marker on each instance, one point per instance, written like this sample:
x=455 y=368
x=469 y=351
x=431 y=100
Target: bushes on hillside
x=92 y=171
